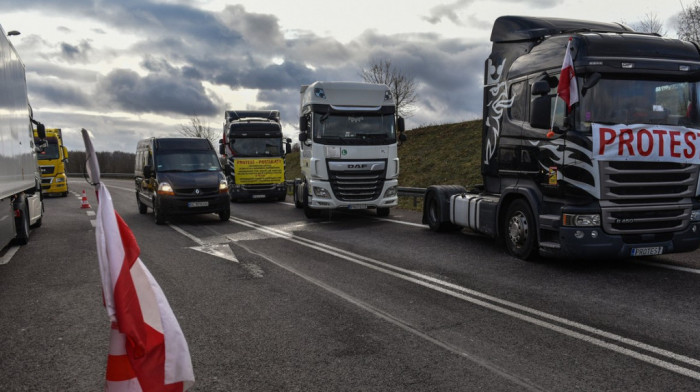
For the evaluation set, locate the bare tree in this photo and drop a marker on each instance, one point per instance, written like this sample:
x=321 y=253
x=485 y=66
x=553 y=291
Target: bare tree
x=196 y=128
x=650 y=24
x=402 y=85
x=689 y=22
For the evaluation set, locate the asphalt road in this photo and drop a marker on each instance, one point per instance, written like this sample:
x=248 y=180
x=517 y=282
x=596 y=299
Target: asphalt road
x=271 y=301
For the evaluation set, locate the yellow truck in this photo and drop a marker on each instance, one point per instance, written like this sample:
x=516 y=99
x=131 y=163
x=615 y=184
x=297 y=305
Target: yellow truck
x=52 y=162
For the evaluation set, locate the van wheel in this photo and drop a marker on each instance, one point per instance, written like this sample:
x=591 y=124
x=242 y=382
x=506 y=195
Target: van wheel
x=520 y=232
x=383 y=211
x=142 y=207
x=224 y=214
x=158 y=214
x=22 y=225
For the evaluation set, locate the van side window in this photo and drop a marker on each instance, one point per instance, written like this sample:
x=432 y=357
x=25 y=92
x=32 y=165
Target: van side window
x=518 y=94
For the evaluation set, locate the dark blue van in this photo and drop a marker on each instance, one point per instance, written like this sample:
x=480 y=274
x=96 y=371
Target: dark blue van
x=176 y=176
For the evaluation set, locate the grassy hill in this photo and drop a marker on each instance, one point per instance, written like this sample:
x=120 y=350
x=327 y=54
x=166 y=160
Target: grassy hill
x=432 y=155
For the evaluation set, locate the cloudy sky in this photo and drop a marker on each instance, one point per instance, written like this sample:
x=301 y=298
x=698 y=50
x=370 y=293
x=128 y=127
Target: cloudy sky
x=130 y=69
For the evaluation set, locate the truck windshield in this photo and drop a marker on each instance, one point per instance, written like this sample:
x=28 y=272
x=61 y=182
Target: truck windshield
x=354 y=128
x=51 y=150
x=257 y=147
x=627 y=101
x=187 y=161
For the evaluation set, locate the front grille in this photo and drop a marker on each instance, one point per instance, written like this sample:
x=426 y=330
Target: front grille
x=47 y=169
x=646 y=197
x=357 y=185
x=192 y=191
x=46 y=181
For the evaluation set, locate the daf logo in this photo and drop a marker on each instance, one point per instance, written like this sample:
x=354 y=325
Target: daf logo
x=357 y=166
x=196 y=191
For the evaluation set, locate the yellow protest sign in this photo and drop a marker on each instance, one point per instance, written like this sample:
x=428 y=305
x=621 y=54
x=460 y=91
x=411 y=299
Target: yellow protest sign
x=251 y=171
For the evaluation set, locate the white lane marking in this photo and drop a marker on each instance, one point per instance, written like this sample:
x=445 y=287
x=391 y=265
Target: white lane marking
x=523 y=382
x=120 y=187
x=480 y=299
x=93 y=222
x=90 y=213
x=220 y=250
x=8 y=254
x=667 y=266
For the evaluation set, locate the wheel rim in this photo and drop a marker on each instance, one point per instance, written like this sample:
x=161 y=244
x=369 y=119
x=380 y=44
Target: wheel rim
x=518 y=229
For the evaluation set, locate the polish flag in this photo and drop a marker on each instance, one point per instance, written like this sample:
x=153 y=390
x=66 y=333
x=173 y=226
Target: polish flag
x=147 y=351
x=568 y=89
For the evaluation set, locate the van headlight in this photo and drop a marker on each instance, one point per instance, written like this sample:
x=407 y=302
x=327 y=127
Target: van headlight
x=223 y=186
x=165 y=189
x=391 y=192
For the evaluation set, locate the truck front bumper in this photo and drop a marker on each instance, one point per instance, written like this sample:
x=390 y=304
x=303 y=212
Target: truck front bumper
x=592 y=243
x=322 y=197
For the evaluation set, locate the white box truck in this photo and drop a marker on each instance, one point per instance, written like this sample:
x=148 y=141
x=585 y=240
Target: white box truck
x=20 y=178
x=348 y=157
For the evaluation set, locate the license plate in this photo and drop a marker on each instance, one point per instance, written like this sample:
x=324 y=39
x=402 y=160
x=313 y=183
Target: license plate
x=193 y=204
x=357 y=206
x=650 y=251
x=258 y=196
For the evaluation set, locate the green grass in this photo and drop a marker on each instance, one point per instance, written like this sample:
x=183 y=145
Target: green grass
x=431 y=155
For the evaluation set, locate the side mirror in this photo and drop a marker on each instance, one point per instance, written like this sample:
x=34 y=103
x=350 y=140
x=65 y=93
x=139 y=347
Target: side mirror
x=303 y=137
x=303 y=124
x=540 y=88
x=401 y=125
x=222 y=149
x=288 y=146
x=541 y=111
x=40 y=130
x=147 y=171
x=402 y=137
x=65 y=153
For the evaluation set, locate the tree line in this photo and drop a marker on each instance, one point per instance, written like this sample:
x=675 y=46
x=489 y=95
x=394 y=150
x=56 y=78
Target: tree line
x=110 y=162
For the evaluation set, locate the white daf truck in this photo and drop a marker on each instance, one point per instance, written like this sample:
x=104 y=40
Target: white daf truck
x=348 y=158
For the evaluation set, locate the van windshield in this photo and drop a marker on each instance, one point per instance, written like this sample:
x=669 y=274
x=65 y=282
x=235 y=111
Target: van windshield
x=186 y=161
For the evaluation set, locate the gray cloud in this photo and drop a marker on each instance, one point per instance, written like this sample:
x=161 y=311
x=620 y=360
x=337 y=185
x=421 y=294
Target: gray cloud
x=156 y=93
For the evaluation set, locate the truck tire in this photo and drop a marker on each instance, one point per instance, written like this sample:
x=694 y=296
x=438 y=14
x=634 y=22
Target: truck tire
x=225 y=214
x=22 y=225
x=158 y=214
x=310 y=213
x=434 y=205
x=520 y=231
x=297 y=203
x=383 y=211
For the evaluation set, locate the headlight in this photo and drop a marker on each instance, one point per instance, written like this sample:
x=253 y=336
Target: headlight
x=165 y=189
x=60 y=179
x=584 y=220
x=223 y=186
x=695 y=215
x=391 y=192
x=321 y=192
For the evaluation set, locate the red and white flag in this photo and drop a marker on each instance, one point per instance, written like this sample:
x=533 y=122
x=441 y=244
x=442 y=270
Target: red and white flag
x=148 y=351
x=568 y=89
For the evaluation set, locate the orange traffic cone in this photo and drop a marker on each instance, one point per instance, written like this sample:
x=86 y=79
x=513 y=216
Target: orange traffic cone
x=84 y=203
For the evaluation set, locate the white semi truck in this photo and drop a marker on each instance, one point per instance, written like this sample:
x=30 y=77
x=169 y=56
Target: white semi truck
x=20 y=178
x=348 y=158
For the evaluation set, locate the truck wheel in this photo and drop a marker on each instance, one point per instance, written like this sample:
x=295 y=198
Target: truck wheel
x=142 y=207
x=383 y=211
x=434 y=214
x=158 y=214
x=297 y=203
x=308 y=211
x=225 y=214
x=22 y=225
x=520 y=233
